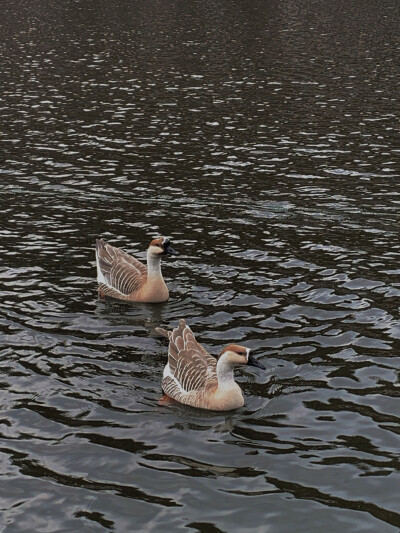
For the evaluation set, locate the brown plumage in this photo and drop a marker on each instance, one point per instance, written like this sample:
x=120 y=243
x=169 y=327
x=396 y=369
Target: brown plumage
x=123 y=277
x=194 y=377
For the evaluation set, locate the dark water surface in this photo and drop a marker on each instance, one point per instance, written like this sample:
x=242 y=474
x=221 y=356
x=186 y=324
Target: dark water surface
x=263 y=138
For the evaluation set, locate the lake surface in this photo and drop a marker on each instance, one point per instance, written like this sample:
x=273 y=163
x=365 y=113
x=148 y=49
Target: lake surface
x=263 y=138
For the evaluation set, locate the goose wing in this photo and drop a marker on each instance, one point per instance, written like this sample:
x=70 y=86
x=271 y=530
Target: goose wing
x=190 y=365
x=117 y=271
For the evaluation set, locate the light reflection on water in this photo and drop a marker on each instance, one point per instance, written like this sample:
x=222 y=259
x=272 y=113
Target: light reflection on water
x=262 y=138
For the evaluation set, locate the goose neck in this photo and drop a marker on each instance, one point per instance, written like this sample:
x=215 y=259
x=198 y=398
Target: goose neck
x=153 y=266
x=225 y=373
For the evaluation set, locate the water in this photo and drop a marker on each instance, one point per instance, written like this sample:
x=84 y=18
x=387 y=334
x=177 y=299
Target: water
x=262 y=137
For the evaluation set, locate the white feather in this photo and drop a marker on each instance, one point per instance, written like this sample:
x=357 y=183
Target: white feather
x=168 y=374
x=100 y=276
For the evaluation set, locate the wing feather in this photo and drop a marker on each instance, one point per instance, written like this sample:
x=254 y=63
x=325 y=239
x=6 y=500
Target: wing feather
x=190 y=365
x=117 y=270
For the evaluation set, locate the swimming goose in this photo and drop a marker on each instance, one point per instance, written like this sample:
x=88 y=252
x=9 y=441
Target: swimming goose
x=123 y=277
x=194 y=377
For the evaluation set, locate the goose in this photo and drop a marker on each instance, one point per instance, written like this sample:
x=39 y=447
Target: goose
x=194 y=377
x=123 y=277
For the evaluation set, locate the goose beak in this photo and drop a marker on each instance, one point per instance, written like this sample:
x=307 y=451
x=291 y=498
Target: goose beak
x=252 y=361
x=168 y=250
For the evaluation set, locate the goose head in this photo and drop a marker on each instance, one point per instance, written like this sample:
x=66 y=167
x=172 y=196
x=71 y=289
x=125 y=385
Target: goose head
x=236 y=355
x=161 y=246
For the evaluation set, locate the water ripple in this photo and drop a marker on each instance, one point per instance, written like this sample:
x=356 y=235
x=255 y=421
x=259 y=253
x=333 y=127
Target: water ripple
x=263 y=140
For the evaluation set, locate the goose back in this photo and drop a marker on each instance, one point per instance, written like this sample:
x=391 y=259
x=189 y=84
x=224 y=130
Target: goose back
x=119 y=274
x=191 y=369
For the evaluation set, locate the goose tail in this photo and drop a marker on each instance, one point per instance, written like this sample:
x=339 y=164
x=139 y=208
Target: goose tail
x=163 y=332
x=103 y=266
